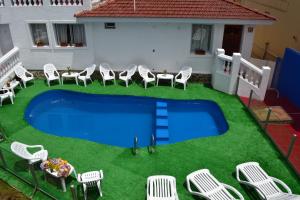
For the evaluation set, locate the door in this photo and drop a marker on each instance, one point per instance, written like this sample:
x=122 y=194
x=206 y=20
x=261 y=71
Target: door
x=6 y=43
x=232 y=39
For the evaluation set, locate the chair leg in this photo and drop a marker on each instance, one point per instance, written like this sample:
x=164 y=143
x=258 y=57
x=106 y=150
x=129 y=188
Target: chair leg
x=1 y=102
x=103 y=82
x=24 y=83
x=145 y=83
x=48 y=83
x=126 y=83
x=11 y=99
x=184 y=86
x=84 y=81
x=99 y=188
x=84 y=191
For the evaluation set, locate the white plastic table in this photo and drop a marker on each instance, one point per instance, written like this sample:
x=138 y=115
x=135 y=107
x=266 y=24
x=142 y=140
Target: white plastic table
x=164 y=77
x=12 y=86
x=61 y=178
x=66 y=75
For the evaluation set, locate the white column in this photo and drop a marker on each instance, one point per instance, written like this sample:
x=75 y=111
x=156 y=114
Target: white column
x=236 y=63
x=216 y=65
x=264 y=82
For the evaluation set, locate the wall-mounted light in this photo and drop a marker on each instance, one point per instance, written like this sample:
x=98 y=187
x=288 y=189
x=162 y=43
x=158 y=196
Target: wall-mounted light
x=250 y=29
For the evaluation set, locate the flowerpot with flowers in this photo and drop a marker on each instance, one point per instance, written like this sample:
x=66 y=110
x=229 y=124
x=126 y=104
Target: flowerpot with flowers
x=69 y=70
x=199 y=51
x=57 y=165
x=40 y=43
x=63 y=44
x=79 y=44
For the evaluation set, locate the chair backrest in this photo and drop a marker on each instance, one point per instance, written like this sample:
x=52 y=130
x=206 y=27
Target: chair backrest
x=257 y=176
x=131 y=70
x=186 y=72
x=161 y=187
x=105 y=69
x=20 y=71
x=208 y=185
x=49 y=69
x=20 y=149
x=143 y=71
x=90 y=70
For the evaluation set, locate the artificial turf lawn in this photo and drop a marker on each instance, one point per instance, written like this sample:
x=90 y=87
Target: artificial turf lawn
x=124 y=174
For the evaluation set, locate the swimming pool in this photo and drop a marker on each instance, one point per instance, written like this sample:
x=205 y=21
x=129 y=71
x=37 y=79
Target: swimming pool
x=116 y=120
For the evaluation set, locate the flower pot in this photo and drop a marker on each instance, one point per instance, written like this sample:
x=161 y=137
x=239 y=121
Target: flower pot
x=63 y=44
x=199 y=52
x=78 y=45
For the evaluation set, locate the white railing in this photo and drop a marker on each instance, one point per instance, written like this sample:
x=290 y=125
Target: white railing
x=225 y=75
x=8 y=61
x=226 y=64
x=66 y=2
x=27 y=2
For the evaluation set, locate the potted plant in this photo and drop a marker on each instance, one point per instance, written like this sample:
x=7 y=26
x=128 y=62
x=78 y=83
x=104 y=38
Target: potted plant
x=199 y=51
x=58 y=165
x=63 y=44
x=80 y=44
x=69 y=70
x=40 y=43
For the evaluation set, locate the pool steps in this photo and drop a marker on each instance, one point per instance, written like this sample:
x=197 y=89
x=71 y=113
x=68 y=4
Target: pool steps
x=162 y=123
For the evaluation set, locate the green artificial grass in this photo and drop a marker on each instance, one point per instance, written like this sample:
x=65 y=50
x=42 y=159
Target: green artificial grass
x=124 y=174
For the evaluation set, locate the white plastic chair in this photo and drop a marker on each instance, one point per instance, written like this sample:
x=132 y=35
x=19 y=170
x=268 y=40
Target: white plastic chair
x=146 y=74
x=51 y=73
x=20 y=150
x=106 y=73
x=90 y=179
x=127 y=74
x=264 y=184
x=183 y=76
x=23 y=74
x=5 y=94
x=161 y=188
x=86 y=74
x=209 y=187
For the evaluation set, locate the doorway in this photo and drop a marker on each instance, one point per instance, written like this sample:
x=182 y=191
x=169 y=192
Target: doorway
x=232 y=39
x=6 y=43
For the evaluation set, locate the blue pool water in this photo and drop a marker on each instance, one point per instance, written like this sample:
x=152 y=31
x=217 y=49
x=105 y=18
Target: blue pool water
x=116 y=120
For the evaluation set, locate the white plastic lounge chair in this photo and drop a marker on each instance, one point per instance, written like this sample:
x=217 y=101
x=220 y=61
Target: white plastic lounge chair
x=90 y=179
x=20 y=150
x=23 y=74
x=51 y=73
x=106 y=73
x=264 y=184
x=146 y=74
x=5 y=94
x=127 y=74
x=161 y=188
x=183 y=76
x=209 y=187
x=86 y=74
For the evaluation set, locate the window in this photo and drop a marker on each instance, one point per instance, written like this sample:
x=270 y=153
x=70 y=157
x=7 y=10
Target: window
x=110 y=25
x=70 y=35
x=201 y=39
x=39 y=35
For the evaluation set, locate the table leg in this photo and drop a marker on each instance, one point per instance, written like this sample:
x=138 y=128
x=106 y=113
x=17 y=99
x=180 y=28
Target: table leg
x=157 y=81
x=76 y=79
x=63 y=184
x=62 y=80
x=172 y=82
x=13 y=92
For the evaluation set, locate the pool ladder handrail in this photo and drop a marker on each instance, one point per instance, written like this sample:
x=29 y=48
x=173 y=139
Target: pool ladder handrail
x=135 y=146
x=152 y=145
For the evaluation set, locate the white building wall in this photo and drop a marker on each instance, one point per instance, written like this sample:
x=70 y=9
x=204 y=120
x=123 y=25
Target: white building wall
x=160 y=45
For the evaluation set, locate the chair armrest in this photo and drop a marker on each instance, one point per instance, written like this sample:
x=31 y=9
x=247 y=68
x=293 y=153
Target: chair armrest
x=121 y=73
x=30 y=74
x=234 y=190
x=101 y=174
x=4 y=90
x=282 y=184
x=177 y=75
x=79 y=178
x=46 y=74
x=151 y=74
x=57 y=73
x=39 y=152
x=113 y=73
x=82 y=72
x=36 y=146
x=102 y=75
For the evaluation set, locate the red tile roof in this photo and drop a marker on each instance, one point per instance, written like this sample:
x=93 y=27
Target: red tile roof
x=198 y=9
